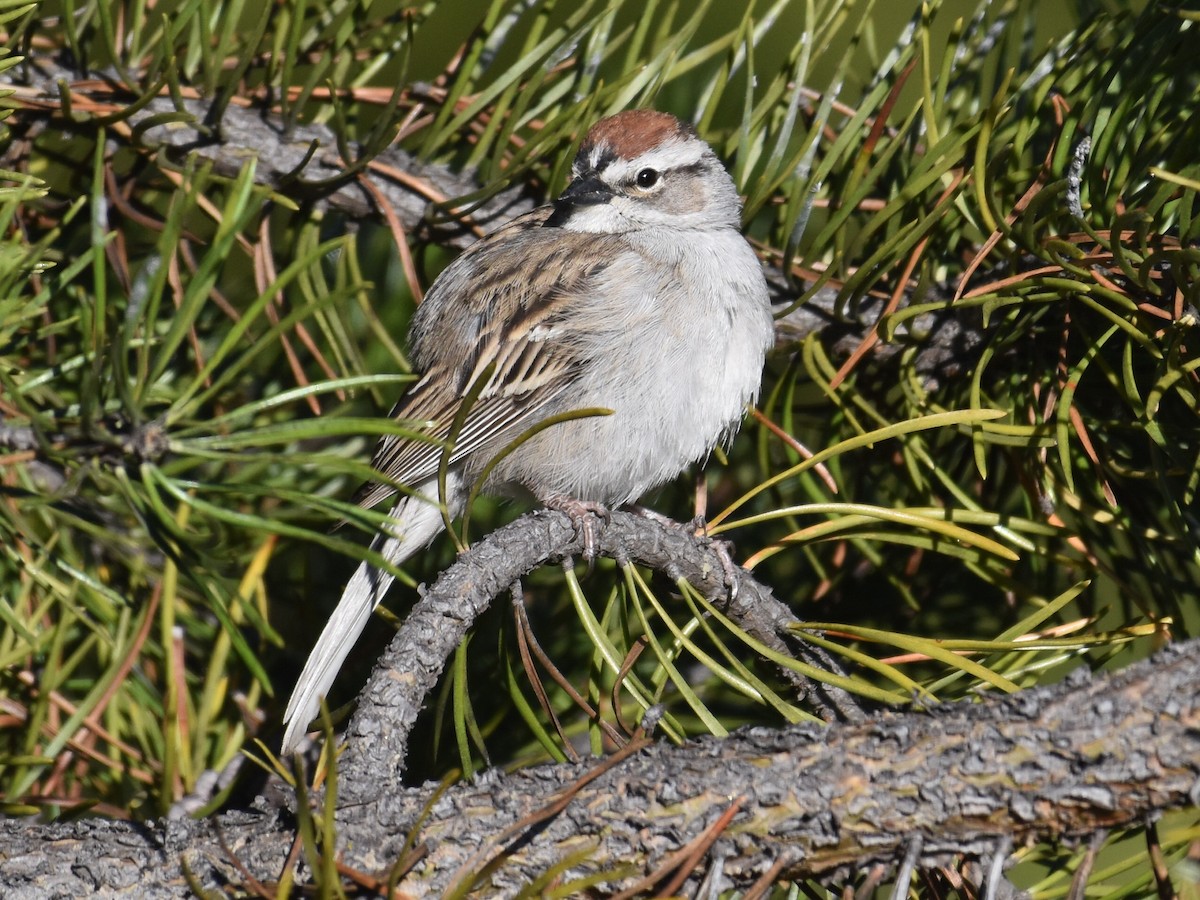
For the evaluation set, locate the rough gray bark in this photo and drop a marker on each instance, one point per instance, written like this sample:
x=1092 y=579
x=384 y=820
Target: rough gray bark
x=1046 y=764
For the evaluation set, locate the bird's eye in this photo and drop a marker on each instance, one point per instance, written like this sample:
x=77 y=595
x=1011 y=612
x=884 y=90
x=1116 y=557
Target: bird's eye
x=647 y=178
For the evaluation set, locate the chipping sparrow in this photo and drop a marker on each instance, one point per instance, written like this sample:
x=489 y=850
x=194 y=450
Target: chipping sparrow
x=634 y=292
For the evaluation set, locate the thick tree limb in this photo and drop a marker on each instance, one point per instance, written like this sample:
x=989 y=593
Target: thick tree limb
x=1042 y=765
x=809 y=801
x=1046 y=764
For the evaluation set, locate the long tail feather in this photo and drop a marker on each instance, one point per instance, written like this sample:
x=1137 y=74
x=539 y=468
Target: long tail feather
x=418 y=522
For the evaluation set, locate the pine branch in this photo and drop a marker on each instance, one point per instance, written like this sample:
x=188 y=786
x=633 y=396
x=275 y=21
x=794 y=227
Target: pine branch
x=404 y=676
x=1053 y=763
x=1056 y=764
x=302 y=163
x=1047 y=764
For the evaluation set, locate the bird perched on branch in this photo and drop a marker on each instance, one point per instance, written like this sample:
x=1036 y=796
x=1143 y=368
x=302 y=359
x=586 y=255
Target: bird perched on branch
x=632 y=297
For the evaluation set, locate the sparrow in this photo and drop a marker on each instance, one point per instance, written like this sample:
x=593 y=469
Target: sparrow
x=633 y=293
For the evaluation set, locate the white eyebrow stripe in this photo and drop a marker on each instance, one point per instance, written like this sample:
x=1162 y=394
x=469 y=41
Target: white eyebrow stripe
x=674 y=154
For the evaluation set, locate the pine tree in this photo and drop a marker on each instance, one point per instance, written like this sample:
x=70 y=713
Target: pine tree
x=973 y=470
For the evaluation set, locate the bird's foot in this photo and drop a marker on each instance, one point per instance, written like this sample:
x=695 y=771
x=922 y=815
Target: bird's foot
x=583 y=515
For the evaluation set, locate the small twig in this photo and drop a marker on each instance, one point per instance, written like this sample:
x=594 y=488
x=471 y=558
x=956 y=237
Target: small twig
x=524 y=633
x=684 y=860
x=528 y=640
x=1162 y=875
x=1079 y=880
x=767 y=879
x=701 y=845
x=249 y=881
x=908 y=866
x=871 y=882
x=996 y=870
x=627 y=664
x=20 y=438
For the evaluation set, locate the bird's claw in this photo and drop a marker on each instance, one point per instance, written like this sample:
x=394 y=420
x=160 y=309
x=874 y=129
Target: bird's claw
x=583 y=515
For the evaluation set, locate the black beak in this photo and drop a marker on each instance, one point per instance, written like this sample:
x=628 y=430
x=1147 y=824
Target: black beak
x=586 y=191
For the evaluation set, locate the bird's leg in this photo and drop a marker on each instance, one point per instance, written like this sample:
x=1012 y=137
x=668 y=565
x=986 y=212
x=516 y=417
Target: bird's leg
x=582 y=514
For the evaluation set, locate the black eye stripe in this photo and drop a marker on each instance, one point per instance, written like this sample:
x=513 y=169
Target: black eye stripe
x=674 y=172
x=583 y=167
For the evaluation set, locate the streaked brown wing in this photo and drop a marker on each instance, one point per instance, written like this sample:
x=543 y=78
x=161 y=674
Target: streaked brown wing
x=498 y=305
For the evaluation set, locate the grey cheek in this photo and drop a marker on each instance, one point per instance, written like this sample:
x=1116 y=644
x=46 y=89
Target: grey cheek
x=685 y=199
